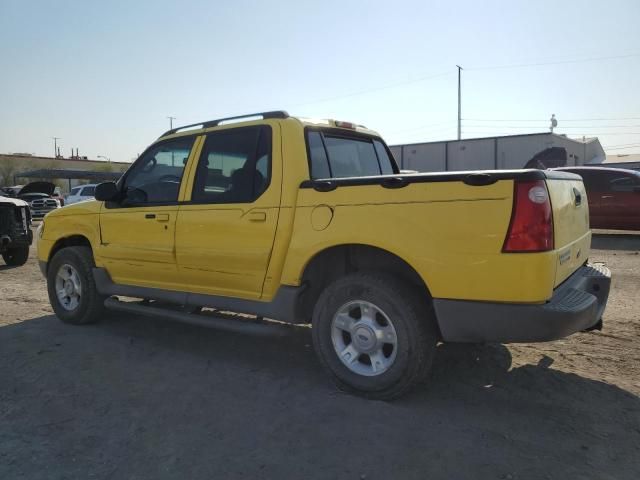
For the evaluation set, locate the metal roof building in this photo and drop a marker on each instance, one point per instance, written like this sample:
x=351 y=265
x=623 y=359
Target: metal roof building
x=490 y=153
x=68 y=174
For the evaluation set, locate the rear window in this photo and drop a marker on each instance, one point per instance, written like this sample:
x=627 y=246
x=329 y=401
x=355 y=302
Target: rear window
x=74 y=191
x=339 y=156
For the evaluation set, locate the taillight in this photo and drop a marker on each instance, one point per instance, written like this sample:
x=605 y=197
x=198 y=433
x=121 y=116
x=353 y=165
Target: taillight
x=531 y=226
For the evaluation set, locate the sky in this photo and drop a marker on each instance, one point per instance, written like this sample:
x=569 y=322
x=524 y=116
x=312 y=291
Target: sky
x=104 y=76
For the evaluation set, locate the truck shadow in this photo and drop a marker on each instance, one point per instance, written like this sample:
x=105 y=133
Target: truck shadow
x=145 y=397
x=8 y=267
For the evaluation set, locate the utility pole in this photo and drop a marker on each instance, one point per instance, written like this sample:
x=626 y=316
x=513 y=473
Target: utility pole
x=459 y=104
x=171 y=119
x=55 y=146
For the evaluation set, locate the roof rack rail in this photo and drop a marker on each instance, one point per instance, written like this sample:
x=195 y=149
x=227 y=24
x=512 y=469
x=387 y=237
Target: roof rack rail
x=214 y=123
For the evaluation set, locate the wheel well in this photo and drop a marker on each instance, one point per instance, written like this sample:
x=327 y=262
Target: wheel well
x=335 y=262
x=72 y=241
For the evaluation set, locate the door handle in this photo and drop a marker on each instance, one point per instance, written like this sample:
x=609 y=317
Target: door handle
x=257 y=216
x=160 y=217
x=606 y=196
x=578 y=197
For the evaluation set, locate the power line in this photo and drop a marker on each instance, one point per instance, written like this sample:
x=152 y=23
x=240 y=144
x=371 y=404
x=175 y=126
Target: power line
x=375 y=89
x=561 y=62
x=442 y=74
x=588 y=133
x=637 y=145
x=624 y=144
x=424 y=127
x=547 y=121
x=539 y=126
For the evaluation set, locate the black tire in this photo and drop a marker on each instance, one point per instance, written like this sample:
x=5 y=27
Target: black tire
x=16 y=256
x=91 y=304
x=411 y=315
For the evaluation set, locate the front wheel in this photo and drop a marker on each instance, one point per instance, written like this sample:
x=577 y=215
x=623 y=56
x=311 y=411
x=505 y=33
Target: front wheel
x=375 y=334
x=71 y=287
x=16 y=256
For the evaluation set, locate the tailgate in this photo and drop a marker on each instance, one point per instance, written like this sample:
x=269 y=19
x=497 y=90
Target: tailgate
x=572 y=237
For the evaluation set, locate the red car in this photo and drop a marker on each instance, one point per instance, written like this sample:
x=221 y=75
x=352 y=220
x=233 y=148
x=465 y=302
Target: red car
x=614 y=196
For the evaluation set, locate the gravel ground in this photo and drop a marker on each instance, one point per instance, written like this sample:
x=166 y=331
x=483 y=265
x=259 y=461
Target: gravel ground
x=139 y=398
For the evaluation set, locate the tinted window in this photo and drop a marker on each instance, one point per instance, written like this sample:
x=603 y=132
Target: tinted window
x=88 y=191
x=156 y=175
x=319 y=162
x=594 y=180
x=234 y=166
x=74 y=191
x=350 y=157
x=386 y=166
x=338 y=156
x=622 y=182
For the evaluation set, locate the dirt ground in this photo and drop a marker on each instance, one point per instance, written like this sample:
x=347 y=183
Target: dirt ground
x=140 y=398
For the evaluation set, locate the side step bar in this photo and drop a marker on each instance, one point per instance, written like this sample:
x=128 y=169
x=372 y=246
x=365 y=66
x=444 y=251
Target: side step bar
x=282 y=307
x=237 y=326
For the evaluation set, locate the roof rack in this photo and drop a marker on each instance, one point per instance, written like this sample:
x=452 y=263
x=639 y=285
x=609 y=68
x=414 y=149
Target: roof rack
x=215 y=123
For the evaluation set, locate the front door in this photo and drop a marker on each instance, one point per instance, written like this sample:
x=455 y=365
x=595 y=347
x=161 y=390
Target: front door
x=138 y=233
x=225 y=233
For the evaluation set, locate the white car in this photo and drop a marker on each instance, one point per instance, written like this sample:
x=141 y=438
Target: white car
x=81 y=193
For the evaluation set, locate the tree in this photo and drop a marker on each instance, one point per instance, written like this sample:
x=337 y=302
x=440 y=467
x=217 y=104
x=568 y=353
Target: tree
x=8 y=168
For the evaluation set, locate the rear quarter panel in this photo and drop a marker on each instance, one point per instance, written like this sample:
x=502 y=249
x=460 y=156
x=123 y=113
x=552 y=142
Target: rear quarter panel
x=572 y=237
x=451 y=233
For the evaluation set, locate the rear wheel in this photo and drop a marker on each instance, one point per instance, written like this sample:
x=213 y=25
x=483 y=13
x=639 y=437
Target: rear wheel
x=375 y=334
x=72 y=290
x=16 y=256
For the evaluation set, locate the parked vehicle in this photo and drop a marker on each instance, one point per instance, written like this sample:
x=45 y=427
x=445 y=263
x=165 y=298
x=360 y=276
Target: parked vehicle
x=57 y=194
x=614 y=196
x=15 y=231
x=311 y=222
x=39 y=197
x=81 y=193
x=12 y=191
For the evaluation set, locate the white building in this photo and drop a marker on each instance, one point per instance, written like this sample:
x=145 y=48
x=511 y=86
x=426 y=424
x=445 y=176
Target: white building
x=489 y=153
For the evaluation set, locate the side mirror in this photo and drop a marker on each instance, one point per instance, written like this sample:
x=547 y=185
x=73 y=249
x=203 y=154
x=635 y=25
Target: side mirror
x=106 y=192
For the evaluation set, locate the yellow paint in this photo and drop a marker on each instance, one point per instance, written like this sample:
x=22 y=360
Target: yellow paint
x=449 y=232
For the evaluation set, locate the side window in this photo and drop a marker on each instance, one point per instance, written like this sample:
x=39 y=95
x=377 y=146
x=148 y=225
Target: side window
x=351 y=158
x=622 y=183
x=155 y=177
x=234 y=167
x=318 y=156
x=88 y=191
x=337 y=156
x=74 y=191
x=386 y=167
x=593 y=181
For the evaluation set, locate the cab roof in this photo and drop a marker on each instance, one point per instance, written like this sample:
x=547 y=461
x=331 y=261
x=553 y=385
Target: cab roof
x=280 y=114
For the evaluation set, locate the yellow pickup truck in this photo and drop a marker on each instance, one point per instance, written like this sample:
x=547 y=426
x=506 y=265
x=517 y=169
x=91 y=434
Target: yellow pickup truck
x=311 y=221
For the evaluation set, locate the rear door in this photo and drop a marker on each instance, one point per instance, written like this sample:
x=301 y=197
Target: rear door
x=225 y=232
x=138 y=234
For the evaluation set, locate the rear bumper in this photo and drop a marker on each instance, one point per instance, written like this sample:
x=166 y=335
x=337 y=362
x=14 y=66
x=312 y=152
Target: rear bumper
x=576 y=305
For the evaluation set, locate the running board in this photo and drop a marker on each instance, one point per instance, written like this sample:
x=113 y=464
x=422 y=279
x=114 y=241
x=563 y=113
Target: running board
x=236 y=326
x=283 y=306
